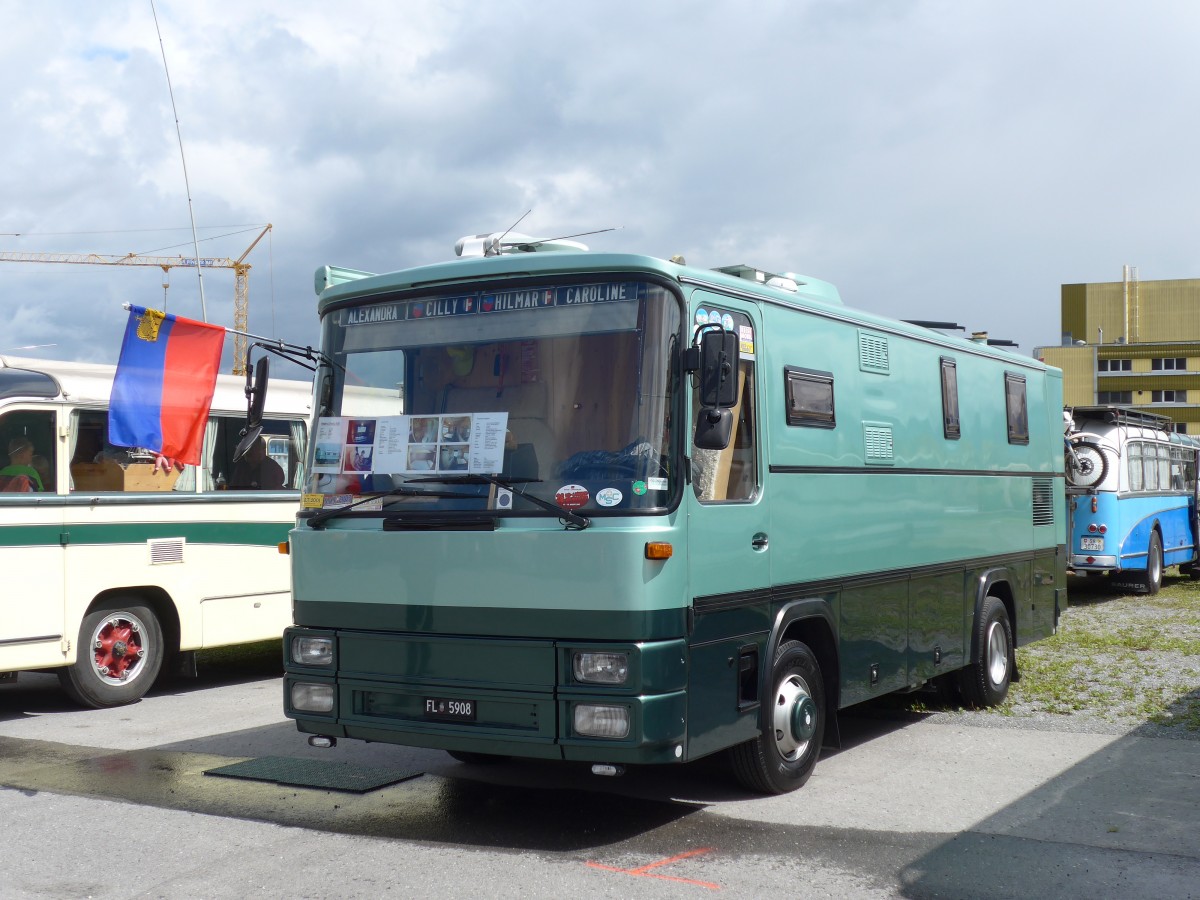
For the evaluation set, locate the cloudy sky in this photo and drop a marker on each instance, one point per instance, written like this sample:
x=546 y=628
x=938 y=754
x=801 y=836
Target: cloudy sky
x=936 y=159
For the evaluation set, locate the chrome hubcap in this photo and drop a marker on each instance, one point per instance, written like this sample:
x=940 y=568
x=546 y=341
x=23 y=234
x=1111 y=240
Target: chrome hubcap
x=997 y=653
x=794 y=717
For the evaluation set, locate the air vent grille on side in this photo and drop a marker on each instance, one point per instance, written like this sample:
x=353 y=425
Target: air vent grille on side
x=877 y=441
x=1043 y=500
x=166 y=550
x=873 y=353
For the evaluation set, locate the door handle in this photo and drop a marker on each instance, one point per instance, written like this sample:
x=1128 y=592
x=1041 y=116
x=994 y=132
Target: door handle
x=759 y=542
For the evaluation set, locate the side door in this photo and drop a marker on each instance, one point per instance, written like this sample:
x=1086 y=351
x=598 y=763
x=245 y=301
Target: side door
x=33 y=630
x=728 y=548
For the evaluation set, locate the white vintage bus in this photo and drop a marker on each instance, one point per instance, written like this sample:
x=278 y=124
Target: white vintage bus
x=118 y=566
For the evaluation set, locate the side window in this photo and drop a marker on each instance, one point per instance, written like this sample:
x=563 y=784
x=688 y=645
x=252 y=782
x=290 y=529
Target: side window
x=951 y=426
x=731 y=474
x=27 y=446
x=1149 y=468
x=274 y=462
x=1177 y=459
x=809 y=397
x=1164 y=467
x=1018 y=410
x=98 y=466
x=1133 y=455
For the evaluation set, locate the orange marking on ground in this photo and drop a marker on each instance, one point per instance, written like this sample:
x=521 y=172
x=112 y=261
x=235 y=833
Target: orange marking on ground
x=644 y=871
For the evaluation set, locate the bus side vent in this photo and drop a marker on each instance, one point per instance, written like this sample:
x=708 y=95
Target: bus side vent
x=1043 y=500
x=167 y=550
x=873 y=353
x=877 y=439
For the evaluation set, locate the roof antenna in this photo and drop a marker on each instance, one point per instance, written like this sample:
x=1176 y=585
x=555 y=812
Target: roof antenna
x=494 y=249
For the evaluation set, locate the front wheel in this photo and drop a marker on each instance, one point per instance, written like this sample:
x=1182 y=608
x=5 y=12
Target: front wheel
x=1152 y=578
x=120 y=653
x=985 y=682
x=783 y=757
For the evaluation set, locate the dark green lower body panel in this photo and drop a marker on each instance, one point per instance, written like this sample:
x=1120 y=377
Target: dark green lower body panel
x=571 y=624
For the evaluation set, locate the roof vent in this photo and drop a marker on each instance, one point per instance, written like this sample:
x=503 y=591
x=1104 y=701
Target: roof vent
x=502 y=243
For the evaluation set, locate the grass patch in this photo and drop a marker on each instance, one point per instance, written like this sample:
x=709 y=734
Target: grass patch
x=1122 y=659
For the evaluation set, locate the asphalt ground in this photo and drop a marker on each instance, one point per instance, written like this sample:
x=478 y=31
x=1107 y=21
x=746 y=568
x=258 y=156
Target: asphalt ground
x=116 y=804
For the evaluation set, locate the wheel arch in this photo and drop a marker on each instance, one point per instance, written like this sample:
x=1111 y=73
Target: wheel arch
x=811 y=621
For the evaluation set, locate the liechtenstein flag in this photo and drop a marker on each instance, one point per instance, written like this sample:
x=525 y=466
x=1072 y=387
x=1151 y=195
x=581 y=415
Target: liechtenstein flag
x=164 y=384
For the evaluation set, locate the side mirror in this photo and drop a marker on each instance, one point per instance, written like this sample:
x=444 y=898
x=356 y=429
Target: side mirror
x=714 y=428
x=719 y=361
x=256 y=401
x=256 y=393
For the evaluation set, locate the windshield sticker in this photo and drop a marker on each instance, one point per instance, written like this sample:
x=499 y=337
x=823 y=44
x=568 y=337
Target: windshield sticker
x=746 y=340
x=495 y=302
x=461 y=443
x=657 y=484
x=609 y=497
x=572 y=496
x=639 y=487
x=503 y=498
x=312 y=501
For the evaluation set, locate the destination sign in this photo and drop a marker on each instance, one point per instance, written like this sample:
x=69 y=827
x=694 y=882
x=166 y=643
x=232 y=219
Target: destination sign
x=496 y=302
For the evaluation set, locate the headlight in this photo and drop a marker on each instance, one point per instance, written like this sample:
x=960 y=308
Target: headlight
x=600 y=668
x=592 y=720
x=316 y=698
x=312 y=651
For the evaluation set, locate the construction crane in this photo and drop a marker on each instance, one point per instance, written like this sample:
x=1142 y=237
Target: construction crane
x=241 y=272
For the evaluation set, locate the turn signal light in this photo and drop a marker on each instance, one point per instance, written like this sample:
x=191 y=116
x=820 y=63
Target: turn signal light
x=659 y=550
x=285 y=548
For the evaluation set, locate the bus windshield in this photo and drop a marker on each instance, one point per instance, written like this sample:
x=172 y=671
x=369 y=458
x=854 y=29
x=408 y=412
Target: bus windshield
x=556 y=391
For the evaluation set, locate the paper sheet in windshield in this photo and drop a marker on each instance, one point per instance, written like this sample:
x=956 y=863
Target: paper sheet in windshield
x=463 y=443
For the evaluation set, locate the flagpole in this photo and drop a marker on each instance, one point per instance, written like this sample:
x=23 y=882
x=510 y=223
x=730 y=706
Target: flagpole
x=278 y=343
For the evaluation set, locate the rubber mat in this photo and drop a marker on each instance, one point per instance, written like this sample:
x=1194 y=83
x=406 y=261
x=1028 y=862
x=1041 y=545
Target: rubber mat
x=313 y=773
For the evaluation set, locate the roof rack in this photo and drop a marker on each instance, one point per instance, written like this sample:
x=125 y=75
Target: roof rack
x=1123 y=415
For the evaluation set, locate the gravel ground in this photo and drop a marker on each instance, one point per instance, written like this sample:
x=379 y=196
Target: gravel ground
x=1120 y=664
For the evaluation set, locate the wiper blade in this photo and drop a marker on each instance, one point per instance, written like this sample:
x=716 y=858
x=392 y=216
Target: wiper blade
x=314 y=521
x=572 y=519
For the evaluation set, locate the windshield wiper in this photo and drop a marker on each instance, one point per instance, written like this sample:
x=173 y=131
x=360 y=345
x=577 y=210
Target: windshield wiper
x=324 y=515
x=572 y=519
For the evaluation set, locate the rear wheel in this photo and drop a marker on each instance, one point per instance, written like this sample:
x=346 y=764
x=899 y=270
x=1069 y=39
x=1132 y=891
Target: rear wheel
x=1152 y=577
x=120 y=653
x=783 y=757
x=985 y=682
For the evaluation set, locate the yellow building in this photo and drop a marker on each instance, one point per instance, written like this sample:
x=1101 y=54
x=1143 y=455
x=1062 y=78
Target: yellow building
x=1133 y=343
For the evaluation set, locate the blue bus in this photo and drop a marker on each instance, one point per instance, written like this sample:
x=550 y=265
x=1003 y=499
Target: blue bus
x=1131 y=484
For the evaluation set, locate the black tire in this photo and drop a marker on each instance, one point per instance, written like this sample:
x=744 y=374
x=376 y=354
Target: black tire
x=1151 y=579
x=985 y=682
x=784 y=755
x=1089 y=466
x=120 y=654
x=477 y=759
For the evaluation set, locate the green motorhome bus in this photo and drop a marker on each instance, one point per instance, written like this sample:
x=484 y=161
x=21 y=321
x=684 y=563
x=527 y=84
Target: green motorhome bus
x=614 y=509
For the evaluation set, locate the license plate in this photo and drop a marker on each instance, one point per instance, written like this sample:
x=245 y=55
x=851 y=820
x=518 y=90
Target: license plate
x=454 y=710
x=1091 y=543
